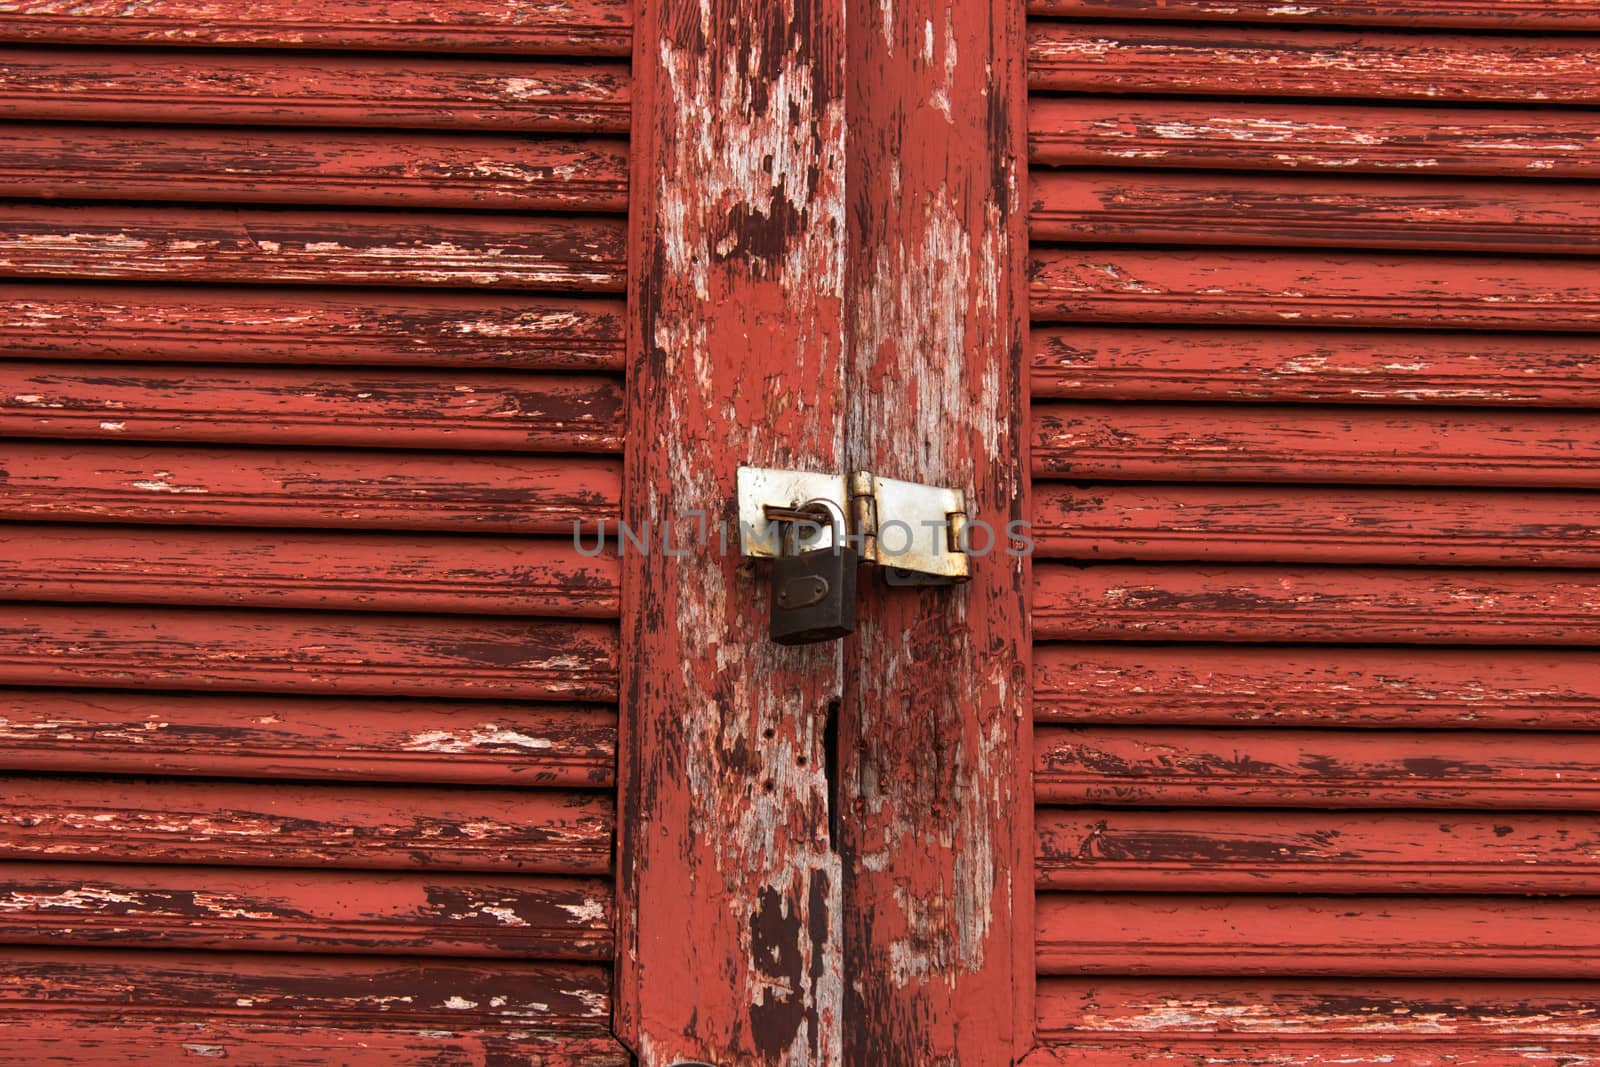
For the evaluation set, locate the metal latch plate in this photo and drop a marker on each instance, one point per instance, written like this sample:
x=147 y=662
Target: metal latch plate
x=762 y=487
x=914 y=530
x=919 y=528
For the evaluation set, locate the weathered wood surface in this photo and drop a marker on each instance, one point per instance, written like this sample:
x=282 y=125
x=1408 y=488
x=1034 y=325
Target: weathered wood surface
x=422 y=328
x=1101 y=57
x=1220 y=685
x=306 y=571
x=104 y=1037
x=1256 y=443
x=1313 y=289
x=1309 y=211
x=354 y=168
x=934 y=724
x=1296 y=524
x=736 y=344
x=256 y=910
x=308 y=652
x=323 y=407
x=230 y=89
x=324 y=489
x=1311 y=366
x=1167 y=1022
x=1199 y=935
x=1283 y=136
x=1188 y=832
x=1477 y=14
x=1105 y=850
x=337 y=827
x=524 y=27
x=1316 y=604
x=1165 y=766
x=78 y=1007
x=262 y=245
x=281 y=737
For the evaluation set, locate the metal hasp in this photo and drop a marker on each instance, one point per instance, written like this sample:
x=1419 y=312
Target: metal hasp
x=915 y=532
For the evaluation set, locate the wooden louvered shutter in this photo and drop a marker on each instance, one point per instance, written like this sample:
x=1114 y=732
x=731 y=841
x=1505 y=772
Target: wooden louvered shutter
x=1315 y=364
x=310 y=337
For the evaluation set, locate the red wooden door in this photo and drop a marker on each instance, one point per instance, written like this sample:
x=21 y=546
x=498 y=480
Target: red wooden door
x=323 y=331
x=311 y=325
x=1314 y=440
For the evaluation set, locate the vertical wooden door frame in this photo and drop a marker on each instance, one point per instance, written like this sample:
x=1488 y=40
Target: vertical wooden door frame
x=824 y=853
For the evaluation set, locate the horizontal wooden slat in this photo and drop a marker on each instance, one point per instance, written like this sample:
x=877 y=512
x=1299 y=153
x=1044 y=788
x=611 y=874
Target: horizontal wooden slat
x=276 y=737
x=1338 y=366
x=1156 y=207
x=1259 y=62
x=1313 y=936
x=1294 y=524
x=1202 y=685
x=1377 y=1051
x=304 y=911
x=1167 y=766
x=341 y=408
x=262 y=245
x=375 y=827
x=1100 y=850
x=312 y=90
x=1490 y=142
x=238 y=487
x=342 y=572
x=1317 y=1023
x=530 y=27
x=508 y=173
x=1313 y=289
x=425 y=329
x=1337 y=604
x=63 y=1006
x=320 y=652
x=1255 y=443
x=1480 y=14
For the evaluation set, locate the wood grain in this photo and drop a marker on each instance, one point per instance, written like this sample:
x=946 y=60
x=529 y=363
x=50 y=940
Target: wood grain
x=933 y=727
x=1478 y=770
x=1156 y=207
x=259 y=245
x=1310 y=366
x=254 y=910
x=1103 y=850
x=1100 y=57
x=316 y=167
x=334 y=572
x=322 y=489
x=1513 y=449
x=1334 y=604
x=1313 y=289
x=62 y=321
x=1222 y=685
x=66 y=1006
x=374 y=827
x=231 y=89
x=1294 y=524
x=456 y=657
x=232 y=735
x=527 y=27
x=1198 y=935
x=1287 y=136
x=736 y=355
x=1499 y=15
x=1316 y=1022
x=479 y=410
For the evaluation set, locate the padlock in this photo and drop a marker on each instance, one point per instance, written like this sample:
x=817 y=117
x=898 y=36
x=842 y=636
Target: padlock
x=814 y=588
